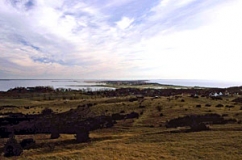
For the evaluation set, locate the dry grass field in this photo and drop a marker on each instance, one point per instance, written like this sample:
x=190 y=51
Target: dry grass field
x=145 y=137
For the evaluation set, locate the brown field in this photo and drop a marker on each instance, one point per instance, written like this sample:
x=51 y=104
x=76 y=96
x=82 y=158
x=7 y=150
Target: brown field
x=142 y=138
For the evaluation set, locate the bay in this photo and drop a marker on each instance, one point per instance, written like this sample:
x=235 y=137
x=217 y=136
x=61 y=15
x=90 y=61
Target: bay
x=6 y=84
x=78 y=84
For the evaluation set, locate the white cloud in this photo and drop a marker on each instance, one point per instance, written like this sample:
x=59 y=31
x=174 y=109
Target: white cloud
x=211 y=51
x=189 y=39
x=124 y=23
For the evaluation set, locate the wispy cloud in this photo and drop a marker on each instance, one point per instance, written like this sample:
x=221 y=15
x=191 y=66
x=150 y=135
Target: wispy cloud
x=137 y=39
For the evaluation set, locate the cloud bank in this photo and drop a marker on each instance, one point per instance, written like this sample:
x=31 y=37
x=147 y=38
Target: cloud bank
x=127 y=39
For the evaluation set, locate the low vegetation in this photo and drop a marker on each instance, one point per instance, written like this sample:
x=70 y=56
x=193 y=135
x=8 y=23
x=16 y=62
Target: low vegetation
x=128 y=123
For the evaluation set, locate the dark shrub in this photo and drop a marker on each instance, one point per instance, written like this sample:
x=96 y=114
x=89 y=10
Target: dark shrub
x=141 y=106
x=158 y=108
x=117 y=116
x=196 y=127
x=133 y=99
x=122 y=111
x=27 y=143
x=190 y=120
x=231 y=120
x=82 y=135
x=81 y=106
x=89 y=104
x=161 y=115
x=132 y=115
x=9 y=106
x=236 y=114
x=229 y=106
x=198 y=106
x=12 y=148
x=238 y=100
x=194 y=96
x=224 y=115
x=216 y=98
x=182 y=100
x=47 y=111
x=219 y=105
x=207 y=105
x=4 y=132
x=110 y=124
x=54 y=134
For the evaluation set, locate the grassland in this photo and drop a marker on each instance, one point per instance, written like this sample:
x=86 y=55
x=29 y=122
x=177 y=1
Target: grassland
x=143 y=138
x=141 y=84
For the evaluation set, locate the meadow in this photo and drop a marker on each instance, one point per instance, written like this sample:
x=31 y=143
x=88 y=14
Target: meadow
x=145 y=137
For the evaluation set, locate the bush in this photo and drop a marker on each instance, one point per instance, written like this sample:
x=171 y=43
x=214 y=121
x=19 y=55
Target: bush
x=229 y=106
x=133 y=99
x=219 y=105
x=122 y=111
x=82 y=135
x=117 y=116
x=216 y=98
x=12 y=148
x=196 y=127
x=224 y=115
x=194 y=120
x=141 y=106
x=27 y=143
x=54 y=133
x=132 y=115
x=47 y=111
x=158 y=108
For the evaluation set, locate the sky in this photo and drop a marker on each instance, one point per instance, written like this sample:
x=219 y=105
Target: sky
x=122 y=39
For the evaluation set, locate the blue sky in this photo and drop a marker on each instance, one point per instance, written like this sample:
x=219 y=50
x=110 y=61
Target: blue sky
x=125 y=39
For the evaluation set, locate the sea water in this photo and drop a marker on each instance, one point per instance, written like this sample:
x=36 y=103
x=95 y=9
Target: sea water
x=198 y=83
x=6 y=84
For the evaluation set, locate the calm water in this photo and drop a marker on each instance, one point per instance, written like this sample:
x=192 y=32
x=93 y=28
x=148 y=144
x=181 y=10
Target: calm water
x=72 y=84
x=200 y=83
x=81 y=84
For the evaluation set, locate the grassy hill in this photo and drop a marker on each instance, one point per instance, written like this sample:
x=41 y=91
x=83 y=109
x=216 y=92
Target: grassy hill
x=146 y=137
